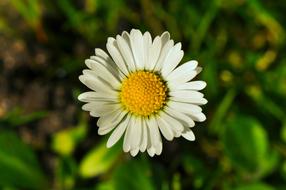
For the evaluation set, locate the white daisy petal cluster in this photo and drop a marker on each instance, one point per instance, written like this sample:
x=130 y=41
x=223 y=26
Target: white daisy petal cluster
x=139 y=91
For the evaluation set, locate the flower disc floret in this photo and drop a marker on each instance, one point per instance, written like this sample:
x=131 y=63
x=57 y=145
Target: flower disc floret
x=143 y=93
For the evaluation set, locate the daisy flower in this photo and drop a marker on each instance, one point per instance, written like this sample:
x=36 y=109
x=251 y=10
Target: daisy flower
x=139 y=91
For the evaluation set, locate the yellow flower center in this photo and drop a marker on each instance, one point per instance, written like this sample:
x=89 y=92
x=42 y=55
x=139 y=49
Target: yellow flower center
x=143 y=93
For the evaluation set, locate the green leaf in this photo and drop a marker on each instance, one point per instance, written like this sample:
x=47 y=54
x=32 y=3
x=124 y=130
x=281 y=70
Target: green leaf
x=264 y=103
x=283 y=132
x=176 y=182
x=18 y=164
x=221 y=111
x=105 y=186
x=66 y=171
x=205 y=24
x=195 y=166
x=99 y=160
x=255 y=186
x=134 y=174
x=64 y=142
x=30 y=10
x=283 y=170
x=246 y=145
x=130 y=174
x=16 y=117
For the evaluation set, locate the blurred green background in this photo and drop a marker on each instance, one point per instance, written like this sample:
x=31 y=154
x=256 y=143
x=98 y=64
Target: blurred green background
x=48 y=142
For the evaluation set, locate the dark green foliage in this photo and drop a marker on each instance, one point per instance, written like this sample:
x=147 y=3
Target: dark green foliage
x=18 y=164
x=47 y=142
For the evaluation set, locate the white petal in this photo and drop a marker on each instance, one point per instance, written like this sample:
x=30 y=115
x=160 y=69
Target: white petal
x=100 y=108
x=109 y=64
x=193 y=85
x=126 y=52
x=151 y=151
x=183 y=118
x=109 y=119
x=147 y=46
x=188 y=134
x=99 y=52
x=96 y=64
x=174 y=124
x=118 y=132
x=116 y=56
x=93 y=114
x=159 y=148
x=109 y=126
x=149 y=143
x=100 y=84
x=137 y=45
x=95 y=96
x=182 y=74
x=114 y=117
x=134 y=151
x=188 y=96
x=154 y=131
x=180 y=79
x=144 y=137
x=127 y=136
x=184 y=107
x=126 y=37
x=158 y=50
x=135 y=133
x=196 y=101
x=165 y=129
x=199 y=69
x=92 y=81
x=165 y=37
x=105 y=74
x=87 y=81
x=167 y=48
x=95 y=83
x=184 y=68
x=200 y=117
x=173 y=58
x=104 y=131
x=154 y=53
x=186 y=93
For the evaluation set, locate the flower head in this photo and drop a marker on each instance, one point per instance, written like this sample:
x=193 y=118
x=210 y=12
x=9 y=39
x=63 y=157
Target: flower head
x=141 y=92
